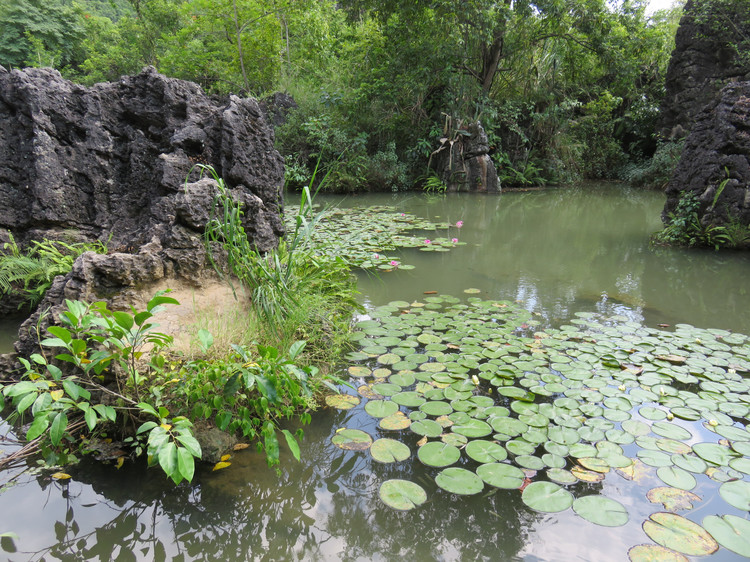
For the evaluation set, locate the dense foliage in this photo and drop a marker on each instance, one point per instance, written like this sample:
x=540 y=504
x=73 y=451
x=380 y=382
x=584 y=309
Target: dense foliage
x=565 y=88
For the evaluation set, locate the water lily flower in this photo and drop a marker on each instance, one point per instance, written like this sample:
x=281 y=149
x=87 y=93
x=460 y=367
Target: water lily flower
x=394 y=263
x=459 y=224
x=454 y=240
x=427 y=241
x=376 y=256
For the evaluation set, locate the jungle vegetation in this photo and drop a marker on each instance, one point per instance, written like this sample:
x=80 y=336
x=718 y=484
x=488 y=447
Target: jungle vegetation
x=566 y=89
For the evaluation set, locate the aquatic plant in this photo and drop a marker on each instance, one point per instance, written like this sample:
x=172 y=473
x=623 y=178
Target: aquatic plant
x=487 y=399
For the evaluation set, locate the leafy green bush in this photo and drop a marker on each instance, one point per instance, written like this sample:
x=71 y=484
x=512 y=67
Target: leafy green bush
x=657 y=171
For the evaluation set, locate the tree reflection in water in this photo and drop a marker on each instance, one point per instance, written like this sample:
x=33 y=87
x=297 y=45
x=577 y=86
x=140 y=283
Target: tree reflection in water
x=325 y=508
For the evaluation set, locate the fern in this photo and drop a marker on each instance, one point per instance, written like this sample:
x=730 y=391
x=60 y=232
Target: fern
x=31 y=273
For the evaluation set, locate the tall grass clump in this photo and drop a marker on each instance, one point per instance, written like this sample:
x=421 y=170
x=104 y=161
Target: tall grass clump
x=296 y=291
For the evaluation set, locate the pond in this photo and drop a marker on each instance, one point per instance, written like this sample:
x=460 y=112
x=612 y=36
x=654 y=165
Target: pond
x=548 y=260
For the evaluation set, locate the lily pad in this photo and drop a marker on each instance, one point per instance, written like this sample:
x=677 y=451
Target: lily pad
x=676 y=477
x=381 y=408
x=389 y=450
x=670 y=430
x=601 y=511
x=673 y=499
x=395 y=422
x=501 y=475
x=472 y=428
x=438 y=454
x=714 y=453
x=736 y=494
x=546 y=497
x=402 y=494
x=342 y=401
x=731 y=532
x=352 y=439
x=680 y=534
x=428 y=428
x=561 y=476
x=485 y=451
x=459 y=481
x=654 y=553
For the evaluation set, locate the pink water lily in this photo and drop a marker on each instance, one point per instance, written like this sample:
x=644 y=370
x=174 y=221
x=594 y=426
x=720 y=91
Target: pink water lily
x=376 y=256
x=427 y=241
x=459 y=224
x=454 y=240
x=394 y=263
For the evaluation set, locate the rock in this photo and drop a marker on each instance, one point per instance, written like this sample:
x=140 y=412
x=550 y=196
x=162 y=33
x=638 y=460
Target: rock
x=277 y=107
x=117 y=160
x=214 y=443
x=703 y=61
x=716 y=154
x=463 y=163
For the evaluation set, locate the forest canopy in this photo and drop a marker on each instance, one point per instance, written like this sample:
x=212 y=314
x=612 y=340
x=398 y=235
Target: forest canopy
x=565 y=89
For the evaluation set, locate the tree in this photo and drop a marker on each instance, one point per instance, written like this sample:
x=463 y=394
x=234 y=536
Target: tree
x=38 y=30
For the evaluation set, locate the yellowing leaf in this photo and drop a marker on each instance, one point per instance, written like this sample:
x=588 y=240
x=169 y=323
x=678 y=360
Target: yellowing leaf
x=220 y=465
x=166 y=426
x=56 y=395
x=225 y=458
x=60 y=476
x=240 y=446
x=119 y=462
x=422 y=441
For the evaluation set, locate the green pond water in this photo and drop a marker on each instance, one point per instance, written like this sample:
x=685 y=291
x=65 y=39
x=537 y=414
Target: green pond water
x=556 y=254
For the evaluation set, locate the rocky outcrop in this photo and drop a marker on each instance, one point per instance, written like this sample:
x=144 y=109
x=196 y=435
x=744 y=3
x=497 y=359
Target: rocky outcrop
x=463 y=162
x=715 y=162
x=707 y=56
x=116 y=162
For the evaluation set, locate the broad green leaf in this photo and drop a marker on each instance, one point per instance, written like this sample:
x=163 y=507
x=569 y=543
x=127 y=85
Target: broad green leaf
x=546 y=497
x=736 y=494
x=57 y=428
x=402 y=494
x=37 y=427
x=185 y=464
x=438 y=454
x=680 y=534
x=291 y=442
x=731 y=532
x=601 y=511
x=168 y=461
x=459 y=481
x=352 y=439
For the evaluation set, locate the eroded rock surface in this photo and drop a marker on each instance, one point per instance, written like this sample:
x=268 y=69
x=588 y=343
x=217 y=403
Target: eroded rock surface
x=463 y=163
x=82 y=163
x=703 y=61
x=715 y=163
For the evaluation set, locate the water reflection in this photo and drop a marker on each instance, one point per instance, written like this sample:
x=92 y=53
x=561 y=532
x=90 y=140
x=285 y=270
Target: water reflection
x=558 y=252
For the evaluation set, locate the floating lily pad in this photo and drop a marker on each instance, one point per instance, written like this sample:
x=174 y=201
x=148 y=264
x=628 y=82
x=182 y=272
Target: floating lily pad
x=670 y=430
x=342 y=401
x=352 y=440
x=673 y=499
x=601 y=511
x=381 y=408
x=654 y=553
x=386 y=388
x=585 y=475
x=389 y=450
x=395 y=422
x=410 y=399
x=501 y=475
x=428 y=428
x=438 y=454
x=676 y=477
x=402 y=494
x=736 y=494
x=485 y=451
x=680 y=534
x=546 y=497
x=459 y=481
x=731 y=532
x=359 y=371
x=436 y=408
x=472 y=428
x=561 y=476
x=714 y=453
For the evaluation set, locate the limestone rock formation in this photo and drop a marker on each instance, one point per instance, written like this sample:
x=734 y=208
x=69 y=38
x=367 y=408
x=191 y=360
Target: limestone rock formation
x=463 y=162
x=82 y=163
x=703 y=61
x=715 y=162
